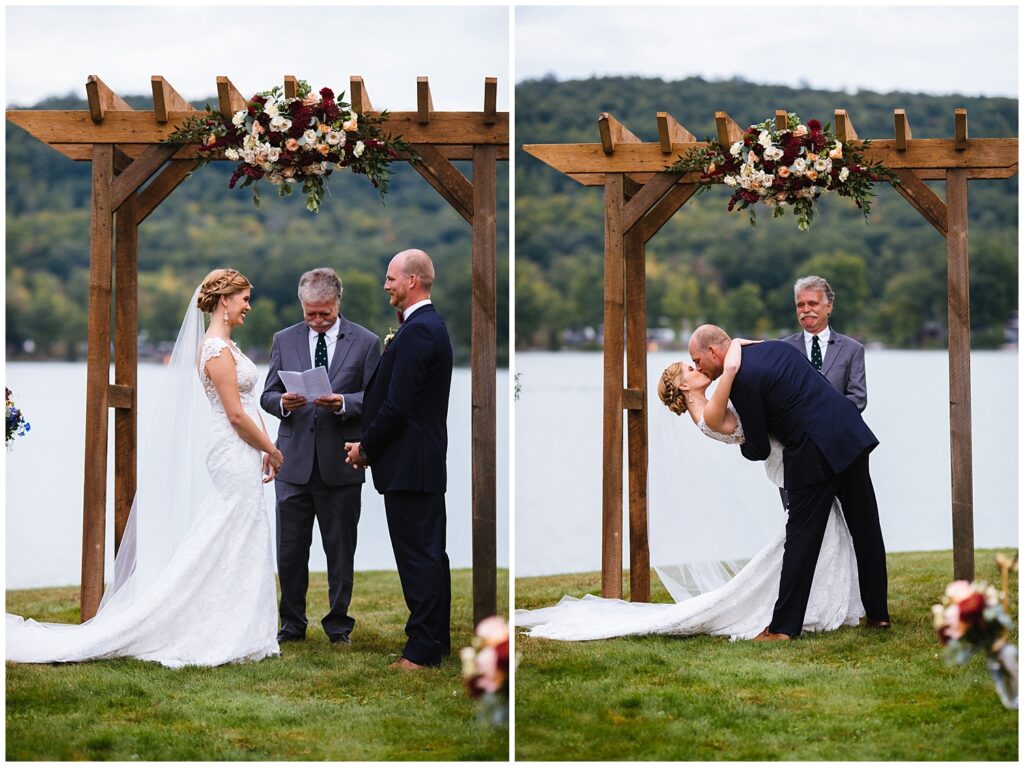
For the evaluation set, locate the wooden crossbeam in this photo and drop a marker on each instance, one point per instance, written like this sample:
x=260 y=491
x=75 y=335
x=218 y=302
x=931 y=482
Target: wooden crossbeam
x=291 y=86
x=446 y=179
x=960 y=129
x=727 y=129
x=103 y=100
x=662 y=212
x=646 y=198
x=167 y=100
x=490 y=100
x=671 y=131
x=229 y=99
x=139 y=172
x=360 y=99
x=902 y=126
x=613 y=133
x=844 y=127
x=424 y=101
x=924 y=200
x=158 y=190
x=83 y=152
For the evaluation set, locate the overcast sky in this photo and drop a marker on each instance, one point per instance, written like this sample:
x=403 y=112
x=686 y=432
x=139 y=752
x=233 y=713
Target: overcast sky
x=52 y=50
x=921 y=49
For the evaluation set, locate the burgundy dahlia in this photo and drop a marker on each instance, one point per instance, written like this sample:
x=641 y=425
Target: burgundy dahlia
x=813 y=125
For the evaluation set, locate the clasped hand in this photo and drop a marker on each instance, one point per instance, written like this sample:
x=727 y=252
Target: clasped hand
x=355 y=455
x=271 y=463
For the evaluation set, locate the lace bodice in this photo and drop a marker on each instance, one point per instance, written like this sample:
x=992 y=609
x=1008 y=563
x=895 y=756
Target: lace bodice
x=736 y=438
x=245 y=371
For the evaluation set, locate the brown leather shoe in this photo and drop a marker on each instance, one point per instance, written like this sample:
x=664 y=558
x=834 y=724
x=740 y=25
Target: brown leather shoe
x=877 y=623
x=768 y=636
x=406 y=665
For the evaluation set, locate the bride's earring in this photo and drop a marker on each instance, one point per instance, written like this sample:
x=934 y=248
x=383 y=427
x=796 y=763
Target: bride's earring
x=225 y=316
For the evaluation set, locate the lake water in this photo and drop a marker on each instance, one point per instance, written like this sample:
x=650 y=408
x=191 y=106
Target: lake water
x=44 y=478
x=558 y=426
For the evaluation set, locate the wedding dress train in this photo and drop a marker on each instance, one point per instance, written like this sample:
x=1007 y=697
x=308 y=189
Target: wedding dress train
x=739 y=609
x=215 y=599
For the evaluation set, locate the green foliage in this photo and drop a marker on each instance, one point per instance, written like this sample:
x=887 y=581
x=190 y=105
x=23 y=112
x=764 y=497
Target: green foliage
x=317 y=702
x=889 y=275
x=204 y=225
x=854 y=694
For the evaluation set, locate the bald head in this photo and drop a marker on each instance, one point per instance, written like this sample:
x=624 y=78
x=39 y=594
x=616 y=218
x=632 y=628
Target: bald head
x=410 y=277
x=708 y=346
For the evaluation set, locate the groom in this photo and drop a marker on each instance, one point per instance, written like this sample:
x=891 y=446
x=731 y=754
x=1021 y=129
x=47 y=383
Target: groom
x=405 y=443
x=826 y=445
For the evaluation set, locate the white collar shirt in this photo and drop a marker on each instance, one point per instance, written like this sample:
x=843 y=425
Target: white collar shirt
x=407 y=313
x=331 y=338
x=823 y=337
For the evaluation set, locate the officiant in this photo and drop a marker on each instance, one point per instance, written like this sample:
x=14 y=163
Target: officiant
x=315 y=483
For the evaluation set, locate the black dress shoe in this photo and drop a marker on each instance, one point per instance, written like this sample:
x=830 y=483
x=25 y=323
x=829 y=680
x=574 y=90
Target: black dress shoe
x=340 y=639
x=877 y=623
x=287 y=636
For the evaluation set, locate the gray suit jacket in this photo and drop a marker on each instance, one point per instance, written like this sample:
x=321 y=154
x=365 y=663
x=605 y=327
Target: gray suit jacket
x=355 y=357
x=843 y=366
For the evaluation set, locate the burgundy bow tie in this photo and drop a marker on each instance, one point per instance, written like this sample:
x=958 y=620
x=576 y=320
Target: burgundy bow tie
x=401 y=317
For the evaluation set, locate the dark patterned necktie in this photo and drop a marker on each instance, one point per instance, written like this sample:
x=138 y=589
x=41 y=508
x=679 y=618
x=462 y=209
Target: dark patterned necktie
x=320 y=355
x=815 y=353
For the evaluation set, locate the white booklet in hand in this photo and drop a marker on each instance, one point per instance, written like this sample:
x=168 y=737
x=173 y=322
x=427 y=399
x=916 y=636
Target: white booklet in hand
x=311 y=384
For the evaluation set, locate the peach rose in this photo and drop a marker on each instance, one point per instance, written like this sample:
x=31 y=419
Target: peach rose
x=351 y=124
x=311 y=100
x=323 y=149
x=288 y=172
x=292 y=145
x=837 y=153
x=782 y=171
x=812 y=175
x=323 y=127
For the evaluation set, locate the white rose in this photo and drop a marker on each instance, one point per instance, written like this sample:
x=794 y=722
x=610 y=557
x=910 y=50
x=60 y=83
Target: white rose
x=730 y=181
x=271 y=108
x=764 y=138
x=844 y=174
x=746 y=170
x=250 y=142
x=736 y=149
x=799 y=166
x=357 y=150
x=239 y=118
x=310 y=138
x=280 y=123
x=231 y=154
x=248 y=155
x=334 y=138
x=274 y=154
x=767 y=180
x=821 y=165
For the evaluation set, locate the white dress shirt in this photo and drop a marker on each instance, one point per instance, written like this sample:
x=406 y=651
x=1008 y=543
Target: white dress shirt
x=823 y=337
x=407 y=313
x=331 y=338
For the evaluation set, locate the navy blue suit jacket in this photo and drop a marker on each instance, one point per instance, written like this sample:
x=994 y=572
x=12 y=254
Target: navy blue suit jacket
x=777 y=391
x=405 y=408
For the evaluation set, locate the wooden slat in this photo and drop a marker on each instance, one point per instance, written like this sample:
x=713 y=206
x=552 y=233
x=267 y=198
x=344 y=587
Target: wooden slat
x=727 y=130
x=122 y=395
x=167 y=100
x=94 y=500
x=924 y=200
x=613 y=133
x=229 y=99
x=484 y=318
x=670 y=132
x=960 y=129
x=661 y=213
x=925 y=174
x=922 y=154
x=614 y=340
x=360 y=99
x=102 y=100
x=633 y=399
x=447 y=180
x=645 y=199
x=636 y=417
x=291 y=86
x=902 y=126
x=844 y=127
x=156 y=192
x=75 y=127
x=424 y=101
x=961 y=463
x=139 y=172
x=490 y=100
x=781 y=119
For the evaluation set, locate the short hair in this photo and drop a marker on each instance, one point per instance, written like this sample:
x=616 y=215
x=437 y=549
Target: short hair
x=417 y=262
x=670 y=394
x=710 y=335
x=813 y=282
x=318 y=285
x=220 y=282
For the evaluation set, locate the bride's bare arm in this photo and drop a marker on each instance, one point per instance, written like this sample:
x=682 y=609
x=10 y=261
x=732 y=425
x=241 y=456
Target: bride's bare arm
x=221 y=370
x=717 y=415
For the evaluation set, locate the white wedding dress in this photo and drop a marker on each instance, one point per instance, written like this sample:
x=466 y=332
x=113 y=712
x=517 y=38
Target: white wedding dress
x=215 y=599
x=739 y=609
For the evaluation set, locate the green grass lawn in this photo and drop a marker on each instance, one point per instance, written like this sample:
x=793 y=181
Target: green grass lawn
x=851 y=694
x=316 y=702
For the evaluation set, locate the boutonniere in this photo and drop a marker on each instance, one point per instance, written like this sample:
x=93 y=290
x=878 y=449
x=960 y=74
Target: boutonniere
x=389 y=337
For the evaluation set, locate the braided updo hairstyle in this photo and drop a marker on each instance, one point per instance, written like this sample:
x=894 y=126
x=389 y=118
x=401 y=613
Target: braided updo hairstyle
x=220 y=282
x=673 y=397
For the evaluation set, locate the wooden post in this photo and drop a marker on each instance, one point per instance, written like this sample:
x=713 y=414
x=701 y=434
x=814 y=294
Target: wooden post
x=94 y=501
x=960 y=375
x=636 y=415
x=126 y=335
x=614 y=298
x=484 y=371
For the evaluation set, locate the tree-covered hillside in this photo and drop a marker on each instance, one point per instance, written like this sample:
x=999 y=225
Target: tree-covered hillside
x=203 y=225
x=708 y=264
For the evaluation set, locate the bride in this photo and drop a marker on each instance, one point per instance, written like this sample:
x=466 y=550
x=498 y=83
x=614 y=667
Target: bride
x=194 y=576
x=743 y=606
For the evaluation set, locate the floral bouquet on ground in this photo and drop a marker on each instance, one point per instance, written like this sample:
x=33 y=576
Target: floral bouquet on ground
x=787 y=167
x=17 y=426
x=485 y=669
x=288 y=140
x=974 y=617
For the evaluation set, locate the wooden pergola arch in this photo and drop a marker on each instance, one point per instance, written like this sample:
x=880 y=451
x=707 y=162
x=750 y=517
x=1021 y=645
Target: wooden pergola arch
x=133 y=172
x=640 y=197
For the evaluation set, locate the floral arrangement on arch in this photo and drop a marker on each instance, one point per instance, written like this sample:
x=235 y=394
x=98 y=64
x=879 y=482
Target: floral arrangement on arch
x=17 y=426
x=287 y=140
x=788 y=167
x=485 y=670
